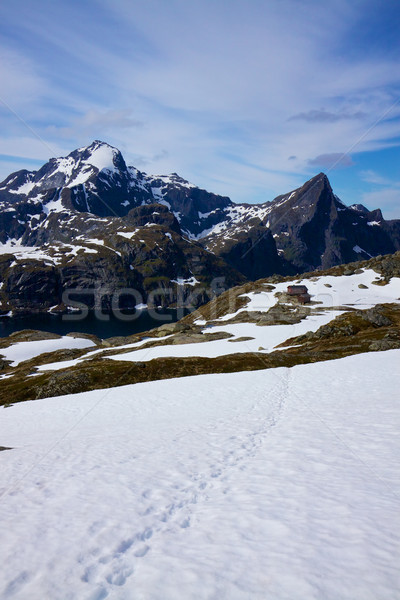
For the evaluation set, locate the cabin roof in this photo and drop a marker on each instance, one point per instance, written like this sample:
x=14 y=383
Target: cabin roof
x=298 y=289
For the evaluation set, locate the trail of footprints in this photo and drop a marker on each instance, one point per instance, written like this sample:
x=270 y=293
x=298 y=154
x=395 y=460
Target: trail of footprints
x=116 y=567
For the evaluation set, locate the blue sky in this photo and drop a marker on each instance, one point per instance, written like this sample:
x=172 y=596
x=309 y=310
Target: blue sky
x=246 y=99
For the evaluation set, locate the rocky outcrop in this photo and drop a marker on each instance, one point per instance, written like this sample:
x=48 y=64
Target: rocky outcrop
x=64 y=382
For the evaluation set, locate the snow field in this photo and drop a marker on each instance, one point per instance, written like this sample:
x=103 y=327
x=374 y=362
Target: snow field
x=342 y=291
x=75 y=361
x=26 y=350
x=266 y=337
x=280 y=484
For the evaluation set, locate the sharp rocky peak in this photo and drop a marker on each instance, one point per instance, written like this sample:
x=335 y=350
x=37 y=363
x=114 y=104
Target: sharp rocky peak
x=319 y=182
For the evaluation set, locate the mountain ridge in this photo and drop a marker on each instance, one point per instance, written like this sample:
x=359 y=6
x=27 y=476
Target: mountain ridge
x=97 y=221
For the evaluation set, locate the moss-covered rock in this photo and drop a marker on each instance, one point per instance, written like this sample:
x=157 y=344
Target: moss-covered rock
x=64 y=382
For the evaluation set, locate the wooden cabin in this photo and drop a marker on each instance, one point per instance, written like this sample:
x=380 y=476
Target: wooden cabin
x=296 y=290
x=304 y=298
x=300 y=292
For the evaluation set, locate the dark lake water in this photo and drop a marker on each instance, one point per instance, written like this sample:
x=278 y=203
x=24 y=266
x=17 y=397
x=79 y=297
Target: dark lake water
x=102 y=325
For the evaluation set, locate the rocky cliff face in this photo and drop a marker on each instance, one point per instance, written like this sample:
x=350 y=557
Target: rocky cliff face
x=312 y=228
x=124 y=261
x=316 y=230
x=89 y=222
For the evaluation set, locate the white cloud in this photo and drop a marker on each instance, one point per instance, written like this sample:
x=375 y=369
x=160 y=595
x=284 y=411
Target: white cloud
x=222 y=94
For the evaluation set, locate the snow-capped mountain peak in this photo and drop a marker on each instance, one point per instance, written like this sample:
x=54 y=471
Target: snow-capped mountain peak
x=80 y=165
x=73 y=170
x=98 y=155
x=95 y=179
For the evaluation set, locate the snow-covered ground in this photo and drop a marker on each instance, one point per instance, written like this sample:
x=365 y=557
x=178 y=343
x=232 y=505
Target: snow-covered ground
x=265 y=338
x=27 y=350
x=279 y=484
x=330 y=291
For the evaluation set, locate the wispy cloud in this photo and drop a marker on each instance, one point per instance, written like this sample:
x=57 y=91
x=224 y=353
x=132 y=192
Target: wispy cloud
x=336 y=160
x=324 y=116
x=21 y=83
x=229 y=96
x=376 y=179
x=93 y=121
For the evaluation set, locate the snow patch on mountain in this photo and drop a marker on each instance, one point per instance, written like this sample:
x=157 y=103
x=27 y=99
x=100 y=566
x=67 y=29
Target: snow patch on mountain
x=359 y=250
x=103 y=157
x=128 y=234
x=53 y=205
x=25 y=188
x=181 y=281
x=266 y=338
x=24 y=253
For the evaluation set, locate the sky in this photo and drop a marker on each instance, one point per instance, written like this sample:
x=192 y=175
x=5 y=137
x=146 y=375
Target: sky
x=244 y=99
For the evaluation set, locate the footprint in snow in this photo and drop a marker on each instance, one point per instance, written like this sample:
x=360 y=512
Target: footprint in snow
x=185 y=523
x=140 y=552
x=119 y=576
x=124 y=546
x=15 y=585
x=99 y=594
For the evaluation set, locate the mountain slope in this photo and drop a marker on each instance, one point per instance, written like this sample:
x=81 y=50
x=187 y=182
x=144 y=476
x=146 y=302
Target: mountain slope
x=354 y=309
x=118 y=262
